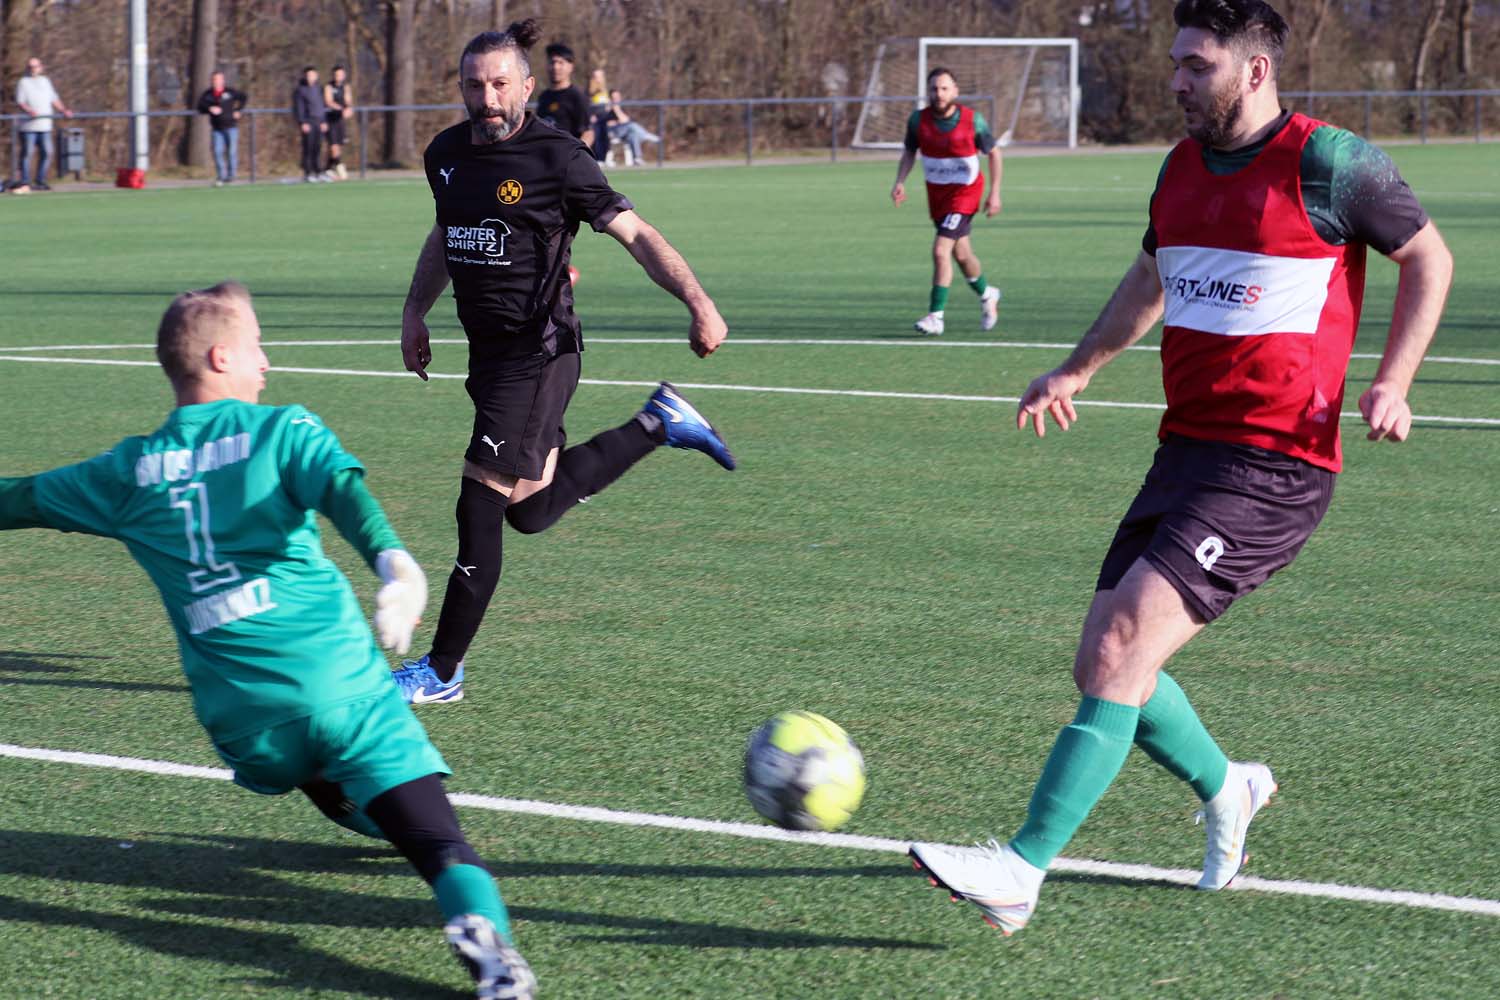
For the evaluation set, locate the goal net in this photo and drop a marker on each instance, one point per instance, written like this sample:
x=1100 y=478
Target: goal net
x=1026 y=88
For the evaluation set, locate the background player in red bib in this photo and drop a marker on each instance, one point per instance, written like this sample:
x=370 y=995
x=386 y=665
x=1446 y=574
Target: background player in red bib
x=951 y=139
x=1255 y=260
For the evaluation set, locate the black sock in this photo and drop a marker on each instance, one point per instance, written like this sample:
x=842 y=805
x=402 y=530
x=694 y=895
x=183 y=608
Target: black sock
x=581 y=472
x=476 y=572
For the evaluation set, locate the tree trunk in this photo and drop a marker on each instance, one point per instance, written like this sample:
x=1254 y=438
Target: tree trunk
x=194 y=151
x=400 y=82
x=1465 y=37
x=1424 y=43
x=1314 y=34
x=497 y=15
x=15 y=38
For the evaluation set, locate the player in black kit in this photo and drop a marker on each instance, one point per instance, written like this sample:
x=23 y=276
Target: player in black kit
x=510 y=192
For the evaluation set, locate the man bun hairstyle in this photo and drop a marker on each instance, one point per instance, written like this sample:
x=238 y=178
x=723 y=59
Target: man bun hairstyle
x=1250 y=27
x=518 y=38
x=194 y=323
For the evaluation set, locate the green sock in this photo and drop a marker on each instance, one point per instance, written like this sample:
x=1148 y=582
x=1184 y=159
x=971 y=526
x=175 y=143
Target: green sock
x=471 y=889
x=938 y=300
x=1089 y=752
x=1173 y=736
x=979 y=285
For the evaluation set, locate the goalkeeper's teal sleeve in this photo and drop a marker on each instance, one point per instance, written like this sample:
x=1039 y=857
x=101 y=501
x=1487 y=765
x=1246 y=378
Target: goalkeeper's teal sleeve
x=18 y=507
x=357 y=515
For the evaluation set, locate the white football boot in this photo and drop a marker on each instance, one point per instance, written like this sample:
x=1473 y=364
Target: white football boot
x=989 y=308
x=991 y=876
x=930 y=325
x=499 y=971
x=1227 y=815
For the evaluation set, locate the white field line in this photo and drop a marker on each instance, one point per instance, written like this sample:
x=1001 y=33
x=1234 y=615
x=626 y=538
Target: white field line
x=923 y=344
x=774 y=389
x=592 y=814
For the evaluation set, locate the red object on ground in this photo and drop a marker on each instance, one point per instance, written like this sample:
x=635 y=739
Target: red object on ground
x=130 y=177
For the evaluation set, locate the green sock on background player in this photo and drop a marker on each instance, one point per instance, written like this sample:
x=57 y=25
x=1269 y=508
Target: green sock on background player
x=1172 y=735
x=938 y=300
x=471 y=889
x=979 y=285
x=1089 y=752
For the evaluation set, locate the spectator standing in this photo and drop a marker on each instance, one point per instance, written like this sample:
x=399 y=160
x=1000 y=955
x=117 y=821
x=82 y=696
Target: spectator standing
x=38 y=100
x=311 y=115
x=599 y=113
x=338 y=95
x=563 y=105
x=222 y=103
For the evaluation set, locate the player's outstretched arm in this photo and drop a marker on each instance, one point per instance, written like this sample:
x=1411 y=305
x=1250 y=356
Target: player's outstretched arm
x=427 y=283
x=18 y=507
x=1426 y=272
x=358 y=517
x=661 y=261
x=1135 y=305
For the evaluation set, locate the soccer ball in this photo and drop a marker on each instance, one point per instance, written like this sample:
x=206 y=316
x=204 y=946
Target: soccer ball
x=803 y=772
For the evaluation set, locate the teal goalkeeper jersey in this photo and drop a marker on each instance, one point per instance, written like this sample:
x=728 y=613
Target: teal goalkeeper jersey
x=217 y=506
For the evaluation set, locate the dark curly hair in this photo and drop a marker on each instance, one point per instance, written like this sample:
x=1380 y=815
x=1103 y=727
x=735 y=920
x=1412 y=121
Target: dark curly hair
x=1250 y=27
x=519 y=38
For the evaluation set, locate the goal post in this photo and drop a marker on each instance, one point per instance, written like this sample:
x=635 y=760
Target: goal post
x=1026 y=87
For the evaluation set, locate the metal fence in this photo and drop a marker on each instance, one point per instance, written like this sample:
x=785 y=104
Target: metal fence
x=695 y=129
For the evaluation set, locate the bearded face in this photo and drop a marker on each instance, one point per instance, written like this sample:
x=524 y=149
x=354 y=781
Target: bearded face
x=1212 y=119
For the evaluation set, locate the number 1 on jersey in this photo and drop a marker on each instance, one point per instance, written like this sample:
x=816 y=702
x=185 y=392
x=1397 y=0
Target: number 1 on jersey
x=211 y=573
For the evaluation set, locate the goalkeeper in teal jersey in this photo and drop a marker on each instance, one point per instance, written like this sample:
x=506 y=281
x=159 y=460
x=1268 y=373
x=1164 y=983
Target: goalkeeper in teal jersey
x=217 y=506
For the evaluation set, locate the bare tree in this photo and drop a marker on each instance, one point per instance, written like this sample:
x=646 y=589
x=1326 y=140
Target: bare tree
x=1465 y=37
x=1430 y=25
x=400 y=81
x=205 y=58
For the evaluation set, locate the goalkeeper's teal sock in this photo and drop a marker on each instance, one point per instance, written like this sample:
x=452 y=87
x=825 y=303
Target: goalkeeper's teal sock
x=1089 y=752
x=979 y=285
x=1172 y=735
x=471 y=889
x=938 y=300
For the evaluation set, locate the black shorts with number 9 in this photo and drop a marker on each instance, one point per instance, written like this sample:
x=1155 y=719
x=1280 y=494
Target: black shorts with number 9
x=1217 y=519
x=518 y=412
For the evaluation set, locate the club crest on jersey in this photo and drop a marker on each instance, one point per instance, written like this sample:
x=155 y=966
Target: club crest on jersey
x=509 y=192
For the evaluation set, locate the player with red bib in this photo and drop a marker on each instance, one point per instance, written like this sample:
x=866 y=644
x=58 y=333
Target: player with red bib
x=1255 y=262
x=950 y=140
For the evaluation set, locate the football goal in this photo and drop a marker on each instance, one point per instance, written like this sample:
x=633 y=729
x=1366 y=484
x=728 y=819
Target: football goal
x=1026 y=88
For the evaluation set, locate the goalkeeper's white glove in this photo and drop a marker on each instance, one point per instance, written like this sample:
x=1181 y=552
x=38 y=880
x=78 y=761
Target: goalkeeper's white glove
x=399 y=605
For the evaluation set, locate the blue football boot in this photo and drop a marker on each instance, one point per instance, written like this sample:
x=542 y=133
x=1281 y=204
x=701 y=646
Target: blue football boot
x=420 y=685
x=685 y=427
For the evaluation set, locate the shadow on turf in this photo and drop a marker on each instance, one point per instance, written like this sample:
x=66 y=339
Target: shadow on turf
x=26 y=663
x=223 y=878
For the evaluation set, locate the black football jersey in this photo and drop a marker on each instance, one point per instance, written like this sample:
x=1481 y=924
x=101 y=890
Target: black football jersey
x=508 y=212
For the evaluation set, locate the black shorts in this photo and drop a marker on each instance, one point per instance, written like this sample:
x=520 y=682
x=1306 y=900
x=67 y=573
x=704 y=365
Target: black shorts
x=954 y=225
x=336 y=130
x=518 y=413
x=1218 y=519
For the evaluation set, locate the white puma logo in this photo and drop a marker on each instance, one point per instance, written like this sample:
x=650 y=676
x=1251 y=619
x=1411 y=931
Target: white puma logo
x=494 y=445
x=309 y=421
x=447 y=173
x=467 y=570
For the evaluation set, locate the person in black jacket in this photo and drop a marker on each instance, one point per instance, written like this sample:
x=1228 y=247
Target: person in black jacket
x=222 y=103
x=311 y=115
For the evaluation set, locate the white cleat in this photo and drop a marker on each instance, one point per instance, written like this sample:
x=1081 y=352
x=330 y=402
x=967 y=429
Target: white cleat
x=930 y=325
x=991 y=876
x=1227 y=815
x=989 y=308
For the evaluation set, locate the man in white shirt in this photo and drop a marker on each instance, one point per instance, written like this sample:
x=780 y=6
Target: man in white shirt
x=38 y=99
